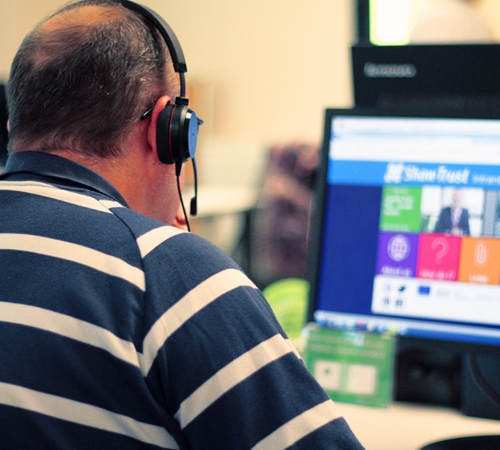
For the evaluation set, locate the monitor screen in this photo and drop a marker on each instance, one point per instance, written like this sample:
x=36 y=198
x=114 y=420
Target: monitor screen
x=408 y=236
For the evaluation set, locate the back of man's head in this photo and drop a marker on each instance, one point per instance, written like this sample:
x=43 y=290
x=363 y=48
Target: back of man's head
x=82 y=78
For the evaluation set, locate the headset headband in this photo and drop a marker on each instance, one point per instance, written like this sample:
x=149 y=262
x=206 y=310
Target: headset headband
x=168 y=35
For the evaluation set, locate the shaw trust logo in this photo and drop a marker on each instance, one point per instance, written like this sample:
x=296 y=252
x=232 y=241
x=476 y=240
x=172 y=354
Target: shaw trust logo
x=397 y=172
x=394 y=173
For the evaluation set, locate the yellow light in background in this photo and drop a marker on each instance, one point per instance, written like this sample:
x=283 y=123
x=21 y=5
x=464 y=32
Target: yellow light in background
x=391 y=21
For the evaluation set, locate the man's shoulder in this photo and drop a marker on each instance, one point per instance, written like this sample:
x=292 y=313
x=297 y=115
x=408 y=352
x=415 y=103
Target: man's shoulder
x=157 y=240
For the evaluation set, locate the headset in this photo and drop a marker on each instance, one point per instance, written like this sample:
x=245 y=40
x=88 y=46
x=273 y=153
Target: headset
x=177 y=129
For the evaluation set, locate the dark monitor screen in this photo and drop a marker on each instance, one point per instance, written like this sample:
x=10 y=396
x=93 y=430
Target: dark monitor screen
x=408 y=236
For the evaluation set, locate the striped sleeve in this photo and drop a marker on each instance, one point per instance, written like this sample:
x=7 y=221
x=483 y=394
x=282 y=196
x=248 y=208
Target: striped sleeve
x=84 y=414
x=299 y=427
x=189 y=305
x=227 y=372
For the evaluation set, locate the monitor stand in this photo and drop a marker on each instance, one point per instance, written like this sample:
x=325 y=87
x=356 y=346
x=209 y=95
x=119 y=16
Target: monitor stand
x=479 y=398
x=480 y=385
x=466 y=443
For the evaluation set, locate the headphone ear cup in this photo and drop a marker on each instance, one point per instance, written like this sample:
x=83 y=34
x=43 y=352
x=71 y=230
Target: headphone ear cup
x=163 y=135
x=176 y=134
x=177 y=126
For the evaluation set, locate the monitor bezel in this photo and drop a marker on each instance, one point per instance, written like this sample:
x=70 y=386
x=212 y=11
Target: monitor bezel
x=320 y=193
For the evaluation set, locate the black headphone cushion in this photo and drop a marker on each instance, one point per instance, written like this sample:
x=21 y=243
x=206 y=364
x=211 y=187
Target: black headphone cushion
x=176 y=134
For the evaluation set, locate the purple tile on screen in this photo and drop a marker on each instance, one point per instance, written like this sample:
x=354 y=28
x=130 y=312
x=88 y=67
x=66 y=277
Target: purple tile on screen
x=397 y=254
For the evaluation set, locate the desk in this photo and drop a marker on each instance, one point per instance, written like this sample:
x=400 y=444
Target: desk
x=406 y=426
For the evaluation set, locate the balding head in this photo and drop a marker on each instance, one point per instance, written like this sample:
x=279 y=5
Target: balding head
x=71 y=21
x=83 y=77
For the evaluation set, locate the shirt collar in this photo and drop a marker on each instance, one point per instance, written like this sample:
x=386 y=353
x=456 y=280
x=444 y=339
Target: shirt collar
x=46 y=167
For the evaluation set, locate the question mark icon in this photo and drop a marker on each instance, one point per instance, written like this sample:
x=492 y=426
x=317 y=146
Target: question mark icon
x=442 y=246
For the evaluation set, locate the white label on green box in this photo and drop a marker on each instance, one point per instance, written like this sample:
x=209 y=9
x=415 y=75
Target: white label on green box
x=352 y=366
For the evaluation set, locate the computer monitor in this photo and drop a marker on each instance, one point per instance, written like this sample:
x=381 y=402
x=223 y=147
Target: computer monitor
x=407 y=231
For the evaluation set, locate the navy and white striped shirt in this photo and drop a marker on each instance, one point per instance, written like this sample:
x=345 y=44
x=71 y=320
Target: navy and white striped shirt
x=118 y=332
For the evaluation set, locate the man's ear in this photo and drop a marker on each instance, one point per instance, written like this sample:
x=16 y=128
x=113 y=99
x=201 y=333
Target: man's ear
x=159 y=106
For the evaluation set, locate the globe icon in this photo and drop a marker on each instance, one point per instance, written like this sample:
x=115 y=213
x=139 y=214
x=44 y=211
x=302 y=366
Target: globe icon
x=398 y=247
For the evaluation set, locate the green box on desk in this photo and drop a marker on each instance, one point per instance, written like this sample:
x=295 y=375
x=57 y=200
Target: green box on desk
x=351 y=366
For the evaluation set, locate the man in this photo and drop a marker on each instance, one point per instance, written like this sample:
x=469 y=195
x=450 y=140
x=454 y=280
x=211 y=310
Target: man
x=119 y=331
x=454 y=219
